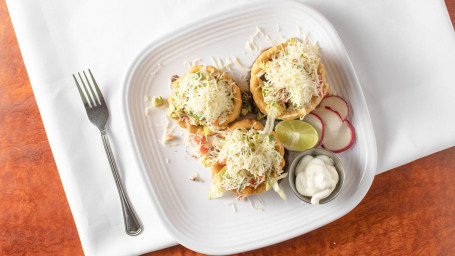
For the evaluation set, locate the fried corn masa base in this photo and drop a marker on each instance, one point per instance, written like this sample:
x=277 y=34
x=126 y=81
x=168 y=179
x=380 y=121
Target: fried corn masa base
x=184 y=122
x=256 y=85
x=252 y=124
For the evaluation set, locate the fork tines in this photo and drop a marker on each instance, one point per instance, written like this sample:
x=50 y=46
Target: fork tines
x=94 y=99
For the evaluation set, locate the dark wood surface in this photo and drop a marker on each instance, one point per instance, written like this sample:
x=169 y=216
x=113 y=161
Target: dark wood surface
x=409 y=210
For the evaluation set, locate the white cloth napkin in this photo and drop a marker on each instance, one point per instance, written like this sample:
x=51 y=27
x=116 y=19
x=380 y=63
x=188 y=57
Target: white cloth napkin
x=403 y=53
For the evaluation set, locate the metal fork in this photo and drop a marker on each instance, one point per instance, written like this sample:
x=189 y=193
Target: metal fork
x=98 y=114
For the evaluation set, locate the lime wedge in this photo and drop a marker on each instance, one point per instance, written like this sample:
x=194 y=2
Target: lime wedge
x=297 y=135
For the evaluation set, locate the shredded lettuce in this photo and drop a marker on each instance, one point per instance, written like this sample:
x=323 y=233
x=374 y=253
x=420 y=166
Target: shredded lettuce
x=215 y=188
x=273 y=183
x=278 y=190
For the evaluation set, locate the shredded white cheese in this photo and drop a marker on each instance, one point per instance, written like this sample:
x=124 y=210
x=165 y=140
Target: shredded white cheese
x=269 y=40
x=191 y=64
x=250 y=157
x=240 y=65
x=248 y=45
x=255 y=35
x=259 y=199
x=227 y=65
x=204 y=97
x=259 y=30
x=292 y=75
x=212 y=59
x=234 y=207
x=252 y=205
x=194 y=63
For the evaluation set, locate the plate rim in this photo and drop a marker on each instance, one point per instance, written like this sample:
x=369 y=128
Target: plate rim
x=211 y=19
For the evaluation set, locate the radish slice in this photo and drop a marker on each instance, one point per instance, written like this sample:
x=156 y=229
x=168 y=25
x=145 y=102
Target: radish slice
x=317 y=123
x=331 y=109
x=343 y=140
x=332 y=122
x=336 y=103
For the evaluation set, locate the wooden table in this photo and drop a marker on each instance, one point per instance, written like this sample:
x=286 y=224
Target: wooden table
x=409 y=210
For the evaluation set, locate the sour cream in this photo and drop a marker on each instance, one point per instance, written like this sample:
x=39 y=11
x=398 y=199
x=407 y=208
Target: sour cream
x=316 y=177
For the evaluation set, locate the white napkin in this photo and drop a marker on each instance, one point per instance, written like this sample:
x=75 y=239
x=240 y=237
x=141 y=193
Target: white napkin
x=403 y=53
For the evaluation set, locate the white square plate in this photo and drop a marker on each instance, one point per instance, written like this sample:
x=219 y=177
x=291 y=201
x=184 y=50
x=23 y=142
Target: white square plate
x=211 y=226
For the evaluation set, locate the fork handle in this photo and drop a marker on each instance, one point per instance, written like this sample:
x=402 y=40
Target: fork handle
x=132 y=224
